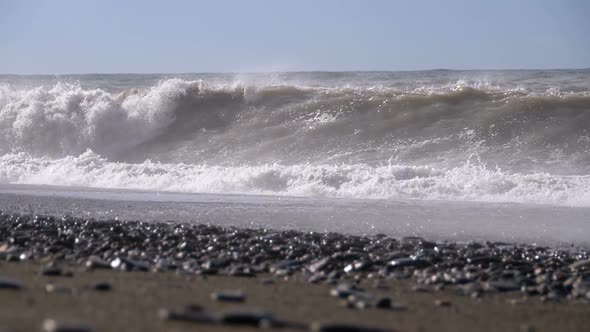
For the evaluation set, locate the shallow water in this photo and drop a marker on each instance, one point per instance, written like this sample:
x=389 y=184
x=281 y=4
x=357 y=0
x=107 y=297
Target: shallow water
x=436 y=220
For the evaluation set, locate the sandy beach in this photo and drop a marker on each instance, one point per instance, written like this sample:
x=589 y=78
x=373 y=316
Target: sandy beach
x=136 y=298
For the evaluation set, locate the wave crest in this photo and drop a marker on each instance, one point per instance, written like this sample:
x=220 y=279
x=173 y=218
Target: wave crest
x=66 y=119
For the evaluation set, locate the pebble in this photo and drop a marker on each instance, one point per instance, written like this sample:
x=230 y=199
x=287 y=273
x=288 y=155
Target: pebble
x=342 y=327
x=345 y=290
x=483 y=260
x=52 y=271
x=584 y=264
x=503 y=285
x=52 y=288
x=9 y=283
x=5 y=248
x=50 y=325
x=408 y=261
x=241 y=316
x=127 y=264
x=442 y=303
x=329 y=258
x=384 y=302
x=163 y=264
x=187 y=314
x=229 y=296
x=246 y=316
x=360 y=300
x=267 y=281
x=193 y=307
x=281 y=324
x=319 y=265
x=12 y=258
x=96 y=263
x=101 y=286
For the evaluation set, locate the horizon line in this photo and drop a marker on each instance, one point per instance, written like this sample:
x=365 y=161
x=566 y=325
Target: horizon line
x=291 y=72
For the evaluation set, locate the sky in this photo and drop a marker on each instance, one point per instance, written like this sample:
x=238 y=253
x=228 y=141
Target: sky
x=173 y=36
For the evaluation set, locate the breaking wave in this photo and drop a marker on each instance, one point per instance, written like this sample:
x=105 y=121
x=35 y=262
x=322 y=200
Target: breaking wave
x=457 y=140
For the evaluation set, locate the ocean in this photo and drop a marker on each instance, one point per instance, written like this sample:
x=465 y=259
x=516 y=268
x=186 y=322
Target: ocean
x=462 y=155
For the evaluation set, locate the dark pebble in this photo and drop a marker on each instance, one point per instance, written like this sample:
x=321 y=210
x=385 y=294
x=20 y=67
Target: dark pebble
x=187 y=315
x=12 y=258
x=343 y=327
x=503 y=285
x=408 y=261
x=267 y=281
x=384 y=303
x=101 y=286
x=246 y=316
x=486 y=260
x=52 y=271
x=229 y=296
x=281 y=324
x=9 y=283
x=194 y=308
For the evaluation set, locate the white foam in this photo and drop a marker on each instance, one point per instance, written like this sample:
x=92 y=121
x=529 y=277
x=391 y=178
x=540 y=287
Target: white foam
x=65 y=119
x=470 y=182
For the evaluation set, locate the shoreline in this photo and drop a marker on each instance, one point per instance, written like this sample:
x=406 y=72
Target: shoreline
x=407 y=284
x=440 y=220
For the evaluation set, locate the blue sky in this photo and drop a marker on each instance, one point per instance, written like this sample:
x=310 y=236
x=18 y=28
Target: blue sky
x=107 y=36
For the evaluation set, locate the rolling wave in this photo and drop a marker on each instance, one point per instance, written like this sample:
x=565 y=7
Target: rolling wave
x=362 y=141
x=66 y=120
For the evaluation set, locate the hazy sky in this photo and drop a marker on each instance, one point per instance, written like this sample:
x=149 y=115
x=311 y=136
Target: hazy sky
x=219 y=36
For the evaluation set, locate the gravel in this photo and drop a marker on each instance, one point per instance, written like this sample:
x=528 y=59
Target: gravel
x=472 y=268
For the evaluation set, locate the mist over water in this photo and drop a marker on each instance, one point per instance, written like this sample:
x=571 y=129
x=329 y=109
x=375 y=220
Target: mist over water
x=510 y=136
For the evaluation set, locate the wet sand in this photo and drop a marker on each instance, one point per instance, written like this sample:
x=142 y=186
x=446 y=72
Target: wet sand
x=135 y=299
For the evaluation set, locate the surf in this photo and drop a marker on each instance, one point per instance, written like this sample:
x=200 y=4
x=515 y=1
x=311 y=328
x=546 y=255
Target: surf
x=303 y=135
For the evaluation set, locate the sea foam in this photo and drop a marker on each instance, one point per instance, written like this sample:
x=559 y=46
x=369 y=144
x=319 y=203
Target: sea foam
x=469 y=182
